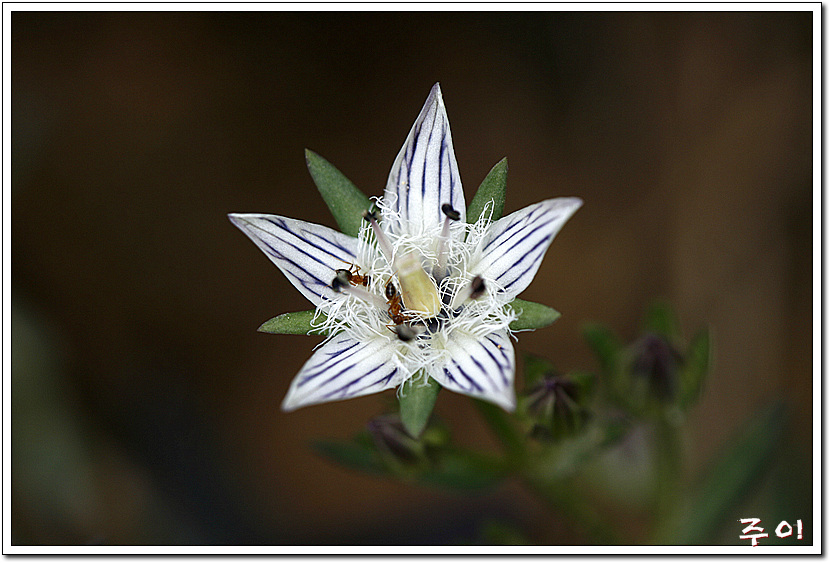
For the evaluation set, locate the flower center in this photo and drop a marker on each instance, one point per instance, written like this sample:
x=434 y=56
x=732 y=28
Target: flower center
x=423 y=293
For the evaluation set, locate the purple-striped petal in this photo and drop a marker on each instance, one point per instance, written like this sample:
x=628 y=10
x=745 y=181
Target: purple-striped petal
x=425 y=173
x=512 y=250
x=344 y=368
x=481 y=367
x=307 y=254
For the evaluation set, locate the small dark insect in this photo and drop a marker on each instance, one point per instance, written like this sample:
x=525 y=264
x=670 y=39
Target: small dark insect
x=391 y=291
x=357 y=278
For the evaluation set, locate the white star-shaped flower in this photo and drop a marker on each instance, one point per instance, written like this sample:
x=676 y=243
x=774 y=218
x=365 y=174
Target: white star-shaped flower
x=419 y=291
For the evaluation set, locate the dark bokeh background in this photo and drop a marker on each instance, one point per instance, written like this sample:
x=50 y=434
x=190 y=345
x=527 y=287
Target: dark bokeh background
x=146 y=405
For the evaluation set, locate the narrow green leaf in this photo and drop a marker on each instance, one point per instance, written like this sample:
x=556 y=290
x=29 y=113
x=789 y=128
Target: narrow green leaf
x=353 y=455
x=346 y=202
x=740 y=468
x=292 y=323
x=605 y=345
x=492 y=188
x=660 y=319
x=502 y=426
x=416 y=403
x=532 y=315
x=693 y=374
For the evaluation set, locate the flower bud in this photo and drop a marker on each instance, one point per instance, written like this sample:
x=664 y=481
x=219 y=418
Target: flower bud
x=656 y=360
x=392 y=439
x=554 y=404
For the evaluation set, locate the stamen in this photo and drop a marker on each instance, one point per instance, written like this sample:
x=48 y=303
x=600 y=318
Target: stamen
x=341 y=284
x=385 y=246
x=476 y=287
x=341 y=279
x=451 y=215
x=472 y=291
x=407 y=333
x=450 y=212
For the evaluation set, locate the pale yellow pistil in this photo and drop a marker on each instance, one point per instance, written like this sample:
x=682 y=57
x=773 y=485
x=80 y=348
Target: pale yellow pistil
x=418 y=290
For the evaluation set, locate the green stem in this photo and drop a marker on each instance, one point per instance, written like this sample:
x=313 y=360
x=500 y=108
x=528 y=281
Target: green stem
x=668 y=460
x=558 y=495
x=501 y=425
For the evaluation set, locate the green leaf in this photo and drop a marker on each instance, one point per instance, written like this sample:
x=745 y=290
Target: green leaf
x=532 y=315
x=693 y=374
x=493 y=189
x=660 y=319
x=353 y=455
x=292 y=323
x=605 y=345
x=585 y=383
x=462 y=469
x=536 y=367
x=502 y=426
x=416 y=403
x=740 y=468
x=346 y=202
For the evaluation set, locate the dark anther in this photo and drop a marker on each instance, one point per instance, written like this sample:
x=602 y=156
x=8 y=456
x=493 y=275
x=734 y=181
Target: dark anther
x=406 y=333
x=391 y=291
x=477 y=286
x=450 y=212
x=371 y=215
x=341 y=280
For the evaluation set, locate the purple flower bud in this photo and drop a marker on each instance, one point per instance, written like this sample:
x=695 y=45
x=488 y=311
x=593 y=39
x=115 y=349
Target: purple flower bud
x=555 y=404
x=392 y=439
x=657 y=361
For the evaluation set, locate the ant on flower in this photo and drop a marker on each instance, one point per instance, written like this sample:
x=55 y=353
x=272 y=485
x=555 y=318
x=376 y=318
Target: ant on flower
x=354 y=277
x=393 y=299
x=348 y=281
x=405 y=331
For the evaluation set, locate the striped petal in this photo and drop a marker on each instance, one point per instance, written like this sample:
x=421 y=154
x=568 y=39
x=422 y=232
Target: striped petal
x=344 y=368
x=481 y=367
x=512 y=250
x=307 y=254
x=425 y=174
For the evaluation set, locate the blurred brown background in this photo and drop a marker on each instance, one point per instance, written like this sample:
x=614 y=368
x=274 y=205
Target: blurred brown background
x=146 y=405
